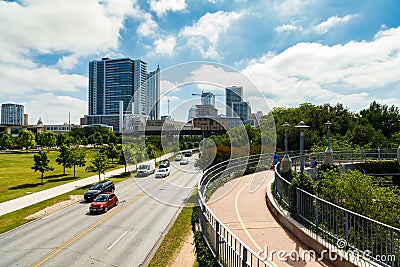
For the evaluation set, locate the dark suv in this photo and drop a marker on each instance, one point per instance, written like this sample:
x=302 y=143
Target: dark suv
x=164 y=164
x=96 y=189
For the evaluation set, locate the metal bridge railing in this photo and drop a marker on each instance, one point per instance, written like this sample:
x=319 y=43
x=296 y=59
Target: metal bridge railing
x=369 y=238
x=226 y=247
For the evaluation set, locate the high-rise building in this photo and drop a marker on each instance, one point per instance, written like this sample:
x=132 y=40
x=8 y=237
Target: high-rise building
x=232 y=94
x=140 y=87
x=12 y=114
x=241 y=110
x=110 y=81
x=113 y=82
x=153 y=95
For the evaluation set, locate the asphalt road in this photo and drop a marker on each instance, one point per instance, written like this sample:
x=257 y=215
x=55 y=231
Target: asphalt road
x=124 y=236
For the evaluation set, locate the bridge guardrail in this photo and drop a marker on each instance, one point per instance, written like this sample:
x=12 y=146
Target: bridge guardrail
x=367 y=237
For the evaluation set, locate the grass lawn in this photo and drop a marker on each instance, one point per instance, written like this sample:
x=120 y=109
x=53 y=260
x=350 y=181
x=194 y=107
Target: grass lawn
x=18 y=179
x=14 y=219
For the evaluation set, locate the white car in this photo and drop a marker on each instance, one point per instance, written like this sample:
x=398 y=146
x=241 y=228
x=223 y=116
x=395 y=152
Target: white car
x=163 y=172
x=184 y=161
x=178 y=157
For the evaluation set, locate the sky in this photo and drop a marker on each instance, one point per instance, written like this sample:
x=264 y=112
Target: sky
x=292 y=51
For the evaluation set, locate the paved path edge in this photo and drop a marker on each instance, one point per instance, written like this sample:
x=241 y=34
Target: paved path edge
x=312 y=240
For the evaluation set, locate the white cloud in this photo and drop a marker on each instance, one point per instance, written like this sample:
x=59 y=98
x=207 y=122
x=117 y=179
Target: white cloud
x=322 y=74
x=333 y=21
x=165 y=46
x=287 y=28
x=163 y=6
x=288 y=7
x=148 y=27
x=15 y=80
x=54 y=109
x=205 y=33
x=42 y=27
x=68 y=62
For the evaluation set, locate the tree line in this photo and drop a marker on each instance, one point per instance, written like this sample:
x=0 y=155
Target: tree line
x=376 y=126
x=96 y=136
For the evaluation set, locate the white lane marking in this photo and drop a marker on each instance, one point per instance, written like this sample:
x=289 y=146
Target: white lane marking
x=116 y=241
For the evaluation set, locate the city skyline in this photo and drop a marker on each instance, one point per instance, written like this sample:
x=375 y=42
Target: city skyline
x=294 y=51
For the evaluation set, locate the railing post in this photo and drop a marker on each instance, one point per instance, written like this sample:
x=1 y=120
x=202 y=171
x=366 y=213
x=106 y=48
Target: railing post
x=316 y=212
x=347 y=227
x=297 y=201
x=244 y=258
x=217 y=239
x=392 y=244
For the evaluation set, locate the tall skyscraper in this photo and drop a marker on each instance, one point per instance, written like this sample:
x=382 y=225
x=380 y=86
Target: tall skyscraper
x=110 y=81
x=235 y=106
x=116 y=81
x=153 y=95
x=12 y=114
x=140 y=87
x=241 y=110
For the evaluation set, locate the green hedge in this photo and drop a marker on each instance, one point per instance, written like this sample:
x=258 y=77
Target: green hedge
x=377 y=167
x=203 y=254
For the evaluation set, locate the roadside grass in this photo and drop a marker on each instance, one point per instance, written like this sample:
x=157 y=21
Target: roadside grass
x=14 y=219
x=18 y=179
x=176 y=236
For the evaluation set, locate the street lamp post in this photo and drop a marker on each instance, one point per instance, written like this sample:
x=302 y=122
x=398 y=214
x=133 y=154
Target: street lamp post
x=286 y=162
x=328 y=150
x=302 y=126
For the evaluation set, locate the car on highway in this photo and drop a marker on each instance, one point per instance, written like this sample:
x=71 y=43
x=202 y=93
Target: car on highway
x=162 y=172
x=188 y=153
x=178 y=158
x=164 y=164
x=98 y=188
x=103 y=202
x=184 y=161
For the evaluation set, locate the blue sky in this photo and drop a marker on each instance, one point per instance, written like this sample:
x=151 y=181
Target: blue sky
x=293 y=51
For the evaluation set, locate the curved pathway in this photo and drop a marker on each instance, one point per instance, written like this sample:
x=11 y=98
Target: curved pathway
x=247 y=215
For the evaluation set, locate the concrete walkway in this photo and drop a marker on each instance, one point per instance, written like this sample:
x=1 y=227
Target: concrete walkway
x=247 y=215
x=25 y=201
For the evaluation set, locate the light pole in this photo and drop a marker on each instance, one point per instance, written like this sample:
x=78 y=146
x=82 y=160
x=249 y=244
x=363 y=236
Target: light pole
x=286 y=163
x=328 y=150
x=302 y=126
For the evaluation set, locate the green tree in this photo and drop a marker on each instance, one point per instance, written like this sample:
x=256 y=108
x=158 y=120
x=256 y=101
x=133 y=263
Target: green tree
x=48 y=139
x=96 y=139
x=151 y=151
x=6 y=140
x=65 y=157
x=359 y=193
x=99 y=164
x=26 y=139
x=113 y=152
x=78 y=158
x=383 y=117
x=41 y=163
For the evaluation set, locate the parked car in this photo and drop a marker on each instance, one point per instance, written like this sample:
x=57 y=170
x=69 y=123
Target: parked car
x=162 y=172
x=103 y=202
x=178 y=158
x=184 y=161
x=96 y=189
x=164 y=164
x=188 y=153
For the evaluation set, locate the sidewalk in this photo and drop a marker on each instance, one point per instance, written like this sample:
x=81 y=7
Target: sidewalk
x=246 y=214
x=25 y=201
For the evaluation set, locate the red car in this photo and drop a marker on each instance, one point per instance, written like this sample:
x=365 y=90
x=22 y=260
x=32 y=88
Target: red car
x=103 y=202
